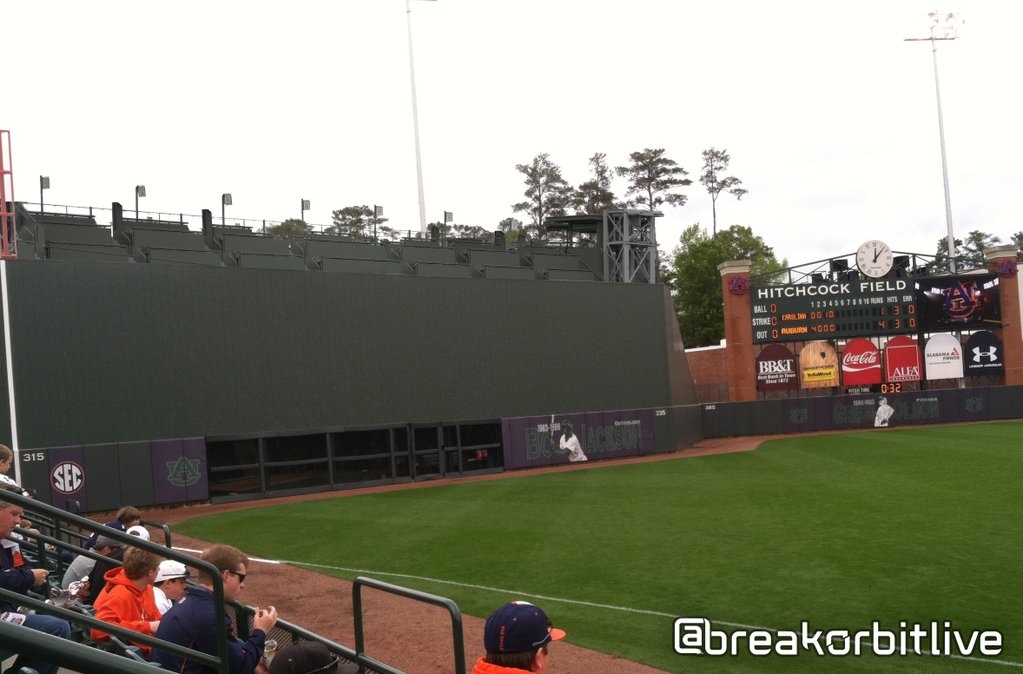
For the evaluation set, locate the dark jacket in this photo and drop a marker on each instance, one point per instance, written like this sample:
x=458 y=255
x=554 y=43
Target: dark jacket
x=191 y=623
x=98 y=575
x=14 y=578
x=91 y=543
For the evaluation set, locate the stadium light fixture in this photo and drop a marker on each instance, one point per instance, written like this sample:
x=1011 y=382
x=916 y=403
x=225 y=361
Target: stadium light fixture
x=140 y=191
x=225 y=201
x=305 y=207
x=44 y=184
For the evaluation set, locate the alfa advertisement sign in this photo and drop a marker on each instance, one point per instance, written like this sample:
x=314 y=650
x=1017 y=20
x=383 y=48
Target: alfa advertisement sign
x=818 y=365
x=776 y=369
x=943 y=357
x=861 y=363
x=902 y=360
x=984 y=354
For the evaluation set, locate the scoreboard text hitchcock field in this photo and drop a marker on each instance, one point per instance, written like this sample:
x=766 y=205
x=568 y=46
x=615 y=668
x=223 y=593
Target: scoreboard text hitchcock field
x=785 y=313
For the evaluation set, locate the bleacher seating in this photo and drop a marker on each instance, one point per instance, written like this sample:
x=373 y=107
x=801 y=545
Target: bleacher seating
x=498 y=272
x=79 y=237
x=69 y=237
x=411 y=253
x=390 y=267
x=441 y=270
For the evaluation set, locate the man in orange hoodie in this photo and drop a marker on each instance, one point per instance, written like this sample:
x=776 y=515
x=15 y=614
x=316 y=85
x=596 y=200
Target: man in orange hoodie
x=127 y=600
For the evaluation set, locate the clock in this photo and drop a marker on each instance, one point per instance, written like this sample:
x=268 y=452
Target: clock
x=874 y=258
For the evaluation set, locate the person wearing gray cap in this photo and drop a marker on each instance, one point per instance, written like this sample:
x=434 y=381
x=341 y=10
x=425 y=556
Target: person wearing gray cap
x=82 y=565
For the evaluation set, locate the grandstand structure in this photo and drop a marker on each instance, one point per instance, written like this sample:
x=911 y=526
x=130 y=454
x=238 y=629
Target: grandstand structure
x=159 y=361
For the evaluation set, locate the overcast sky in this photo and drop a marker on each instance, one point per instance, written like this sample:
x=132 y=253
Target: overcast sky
x=829 y=116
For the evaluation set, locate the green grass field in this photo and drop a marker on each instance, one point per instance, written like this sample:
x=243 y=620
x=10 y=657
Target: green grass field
x=913 y=525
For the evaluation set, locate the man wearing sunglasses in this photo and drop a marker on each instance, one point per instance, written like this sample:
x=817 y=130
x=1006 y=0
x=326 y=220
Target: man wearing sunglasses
x=191 y=623
x=517 y=637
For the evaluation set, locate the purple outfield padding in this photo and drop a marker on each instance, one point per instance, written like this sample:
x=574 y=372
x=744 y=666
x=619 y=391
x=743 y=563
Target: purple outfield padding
x=576 y=438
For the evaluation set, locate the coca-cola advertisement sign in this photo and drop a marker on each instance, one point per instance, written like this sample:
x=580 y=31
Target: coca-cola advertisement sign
x=776 y=369
x=861 y=363
x=902 y=360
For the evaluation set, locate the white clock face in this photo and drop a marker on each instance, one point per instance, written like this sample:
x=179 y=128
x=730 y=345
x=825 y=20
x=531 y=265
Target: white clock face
x=874 y=258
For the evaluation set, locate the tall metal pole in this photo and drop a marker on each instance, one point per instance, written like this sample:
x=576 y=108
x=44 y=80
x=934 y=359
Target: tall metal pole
x=415 y=119
x=944 y=164
x=948 y=33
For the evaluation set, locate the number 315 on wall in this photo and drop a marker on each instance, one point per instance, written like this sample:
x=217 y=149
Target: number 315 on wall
x=30 y=457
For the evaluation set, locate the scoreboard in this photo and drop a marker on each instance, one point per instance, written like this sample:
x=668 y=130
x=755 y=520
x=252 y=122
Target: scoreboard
x=799 y=312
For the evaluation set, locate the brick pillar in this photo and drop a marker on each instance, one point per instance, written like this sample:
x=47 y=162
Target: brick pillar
x=739 y=356
x=1002 y=261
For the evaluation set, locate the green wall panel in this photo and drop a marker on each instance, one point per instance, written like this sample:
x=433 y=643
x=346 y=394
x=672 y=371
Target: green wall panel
x=121 y=353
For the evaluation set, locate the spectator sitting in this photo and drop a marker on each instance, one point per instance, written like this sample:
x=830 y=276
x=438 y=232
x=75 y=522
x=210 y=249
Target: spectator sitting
x=138 y=530
x=98 y=576
x=127 y=600
x=306 y=657
x=82 y=565
x=170 y=584
x=17 y=577
x=6 y=463
x=516 y=637
x=192 y=622
x=128 y=516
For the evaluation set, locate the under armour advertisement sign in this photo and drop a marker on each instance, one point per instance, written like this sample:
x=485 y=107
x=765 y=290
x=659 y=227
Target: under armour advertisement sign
x=984 y=355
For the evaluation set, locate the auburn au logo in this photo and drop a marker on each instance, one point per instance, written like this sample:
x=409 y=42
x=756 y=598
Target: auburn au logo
x=961 y=300
x=183 y=471
x=738 y=285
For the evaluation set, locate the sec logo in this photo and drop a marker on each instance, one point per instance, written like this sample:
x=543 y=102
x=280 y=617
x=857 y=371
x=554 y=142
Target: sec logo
x=67 y=477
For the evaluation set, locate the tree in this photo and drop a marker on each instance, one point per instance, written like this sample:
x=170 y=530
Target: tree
x=652 y=179
x=697 y=282
x=547 y=194
x=472 y=232
x=509 y=224
x=290 y=227
x=969 y=253
x=716 y=162
x=594 y=196
x=357 y=222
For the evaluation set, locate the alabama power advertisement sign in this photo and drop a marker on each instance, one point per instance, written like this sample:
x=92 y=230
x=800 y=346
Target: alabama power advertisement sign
x=943 y=357
x=861 y=363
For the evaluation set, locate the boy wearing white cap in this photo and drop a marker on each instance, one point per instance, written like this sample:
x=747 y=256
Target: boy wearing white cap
x=170 y=584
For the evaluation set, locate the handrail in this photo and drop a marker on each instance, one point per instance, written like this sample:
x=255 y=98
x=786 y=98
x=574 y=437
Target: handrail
x=165 y=527
x=79 y=657
x=425 y=597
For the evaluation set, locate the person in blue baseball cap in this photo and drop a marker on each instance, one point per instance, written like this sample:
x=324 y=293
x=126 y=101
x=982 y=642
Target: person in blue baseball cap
x=516 y=637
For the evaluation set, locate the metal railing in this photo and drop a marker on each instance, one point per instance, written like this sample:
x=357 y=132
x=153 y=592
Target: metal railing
x=444 y=602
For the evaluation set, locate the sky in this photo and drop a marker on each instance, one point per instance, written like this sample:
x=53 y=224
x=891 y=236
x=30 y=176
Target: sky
x=829 y=116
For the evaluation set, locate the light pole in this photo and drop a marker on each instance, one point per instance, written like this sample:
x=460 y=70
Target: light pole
x=415 y=119
x=378 y=212
x=140 y=191
x=44 y=184
x=305 y=207
x=942 y=28
x=225 y=201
